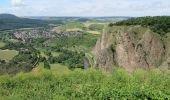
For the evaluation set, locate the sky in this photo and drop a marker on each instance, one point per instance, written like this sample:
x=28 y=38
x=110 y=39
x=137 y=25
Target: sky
x=85 y=7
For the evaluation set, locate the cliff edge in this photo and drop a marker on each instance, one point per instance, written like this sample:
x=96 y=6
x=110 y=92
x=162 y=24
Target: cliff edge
x=131 y=47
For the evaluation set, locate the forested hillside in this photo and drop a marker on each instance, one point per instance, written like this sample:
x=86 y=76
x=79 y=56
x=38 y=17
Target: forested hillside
x=8 y=21
x=159 y=24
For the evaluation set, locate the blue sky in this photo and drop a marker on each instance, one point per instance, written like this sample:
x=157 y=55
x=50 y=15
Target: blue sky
x=4 y=3
x=85 y=7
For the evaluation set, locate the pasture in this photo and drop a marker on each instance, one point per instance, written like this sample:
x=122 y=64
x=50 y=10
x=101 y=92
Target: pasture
x=2 y=44
x=7 y=55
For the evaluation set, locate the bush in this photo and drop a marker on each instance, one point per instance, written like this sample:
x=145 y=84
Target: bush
x=46 y=65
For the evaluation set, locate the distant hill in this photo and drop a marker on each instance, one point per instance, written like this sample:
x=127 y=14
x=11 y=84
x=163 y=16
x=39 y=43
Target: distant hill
x=7 y=16
x=9 y=21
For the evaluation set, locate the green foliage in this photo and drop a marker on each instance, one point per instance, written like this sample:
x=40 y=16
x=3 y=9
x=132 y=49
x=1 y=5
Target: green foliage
x=87 y=85
x=86 y=40
x=65 y=46
x=159 y=24
x=58 y=68
x=46 y=65
x=18 y=46
x=23 y=62
x=71 y=59
x=111 y=24
x=96 y=27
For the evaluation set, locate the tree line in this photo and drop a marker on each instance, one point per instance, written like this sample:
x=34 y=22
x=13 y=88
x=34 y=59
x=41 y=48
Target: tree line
x=159 y=24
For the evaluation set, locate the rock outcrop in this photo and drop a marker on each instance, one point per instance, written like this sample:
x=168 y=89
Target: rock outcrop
x=130 y=47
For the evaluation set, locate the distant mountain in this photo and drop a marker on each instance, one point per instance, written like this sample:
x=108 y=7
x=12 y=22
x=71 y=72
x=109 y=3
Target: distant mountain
x=68 y=17
x=7 y=16
x=9 y=21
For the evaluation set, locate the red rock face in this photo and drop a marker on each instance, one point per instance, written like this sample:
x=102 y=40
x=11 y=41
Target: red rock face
x=129 y=48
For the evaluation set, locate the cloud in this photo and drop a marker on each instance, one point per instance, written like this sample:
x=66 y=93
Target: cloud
x=88 y=7
x=17 y=3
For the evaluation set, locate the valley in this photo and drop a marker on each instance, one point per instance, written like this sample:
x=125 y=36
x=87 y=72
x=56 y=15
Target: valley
x=59 y=43
x=84 y=58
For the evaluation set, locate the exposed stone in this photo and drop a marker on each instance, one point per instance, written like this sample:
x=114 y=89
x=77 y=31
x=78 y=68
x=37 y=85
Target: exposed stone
x=128 y=47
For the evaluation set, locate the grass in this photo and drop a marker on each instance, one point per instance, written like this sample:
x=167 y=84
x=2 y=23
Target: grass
x=58 y=68
x=74 y=29
x=43 y=54
x=7 y=55
x=94 y=32
x=87 y=85
x=41 y=65
x=88 y=23
x=55 y=68
x=2 y=44
x=73 y=25
x=55 y=54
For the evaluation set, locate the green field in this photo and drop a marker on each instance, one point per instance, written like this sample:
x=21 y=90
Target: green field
x=73 y=25
x=55 y=54
x=7 y=54
x=58 y=68
x=94 y=32
x=2 y=44
x=88 y=23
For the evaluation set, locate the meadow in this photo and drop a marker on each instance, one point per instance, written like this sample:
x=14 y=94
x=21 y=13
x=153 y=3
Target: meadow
x=2 y=44
x=7 y=55
x=86 y=85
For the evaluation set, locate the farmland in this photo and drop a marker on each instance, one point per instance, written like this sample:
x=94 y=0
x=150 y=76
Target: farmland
x=2 y=44
x=7 y=55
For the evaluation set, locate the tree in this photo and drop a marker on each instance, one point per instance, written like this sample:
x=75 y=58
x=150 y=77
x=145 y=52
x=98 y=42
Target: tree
x=111 y=24
x=159 y=24
x=47 y=65
x=2 y=61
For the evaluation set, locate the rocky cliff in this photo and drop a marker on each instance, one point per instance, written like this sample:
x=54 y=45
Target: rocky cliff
x=131 y=47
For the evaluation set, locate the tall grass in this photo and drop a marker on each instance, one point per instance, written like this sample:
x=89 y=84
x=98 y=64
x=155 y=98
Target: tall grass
x=87 y=85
